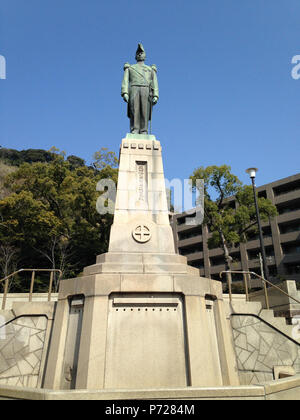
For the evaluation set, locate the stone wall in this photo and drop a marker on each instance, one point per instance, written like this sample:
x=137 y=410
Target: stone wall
x=22 y=343
x=13 y=298
x=281 y=304
x=260 y=348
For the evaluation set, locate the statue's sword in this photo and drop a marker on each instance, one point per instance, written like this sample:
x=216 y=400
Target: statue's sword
x=151 y=110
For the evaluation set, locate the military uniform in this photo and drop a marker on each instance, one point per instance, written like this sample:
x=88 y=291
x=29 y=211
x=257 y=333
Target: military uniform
x=140 y=84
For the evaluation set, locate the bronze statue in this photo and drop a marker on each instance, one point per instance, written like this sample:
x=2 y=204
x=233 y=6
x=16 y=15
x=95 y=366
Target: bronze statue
x=140 y=91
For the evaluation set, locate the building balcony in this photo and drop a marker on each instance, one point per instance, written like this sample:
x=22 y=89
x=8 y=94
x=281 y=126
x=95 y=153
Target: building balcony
x=268 y=241
x=216 y=252
x=290 y=196
x=291 y=258
x=186 y=228
x=194 y=257
x=255 y=263
x=290 y=237
x=288 y=217
x=182 y=243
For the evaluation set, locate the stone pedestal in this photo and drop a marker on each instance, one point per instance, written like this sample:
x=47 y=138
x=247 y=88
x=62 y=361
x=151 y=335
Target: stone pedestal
x=141 y=220
x=148 y=319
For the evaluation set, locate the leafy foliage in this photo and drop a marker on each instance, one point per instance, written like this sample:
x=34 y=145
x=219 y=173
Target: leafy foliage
x=16 y=158
x=4 y=171
x=105 y=159
x=229 y=222
x=50 y=220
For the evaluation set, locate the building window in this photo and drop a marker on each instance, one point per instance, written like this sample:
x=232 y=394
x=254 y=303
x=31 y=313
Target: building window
x=215 y=261
x=190 y=234
x=191 y=249
x=262 y=194
x=287 y=188
x=236 y=256
x=254 y=236
x=273 y=271
x=288 y=207
x=292 y=268
x=253 y=254
x=197 y=264
x=180 y=221
x=293 y=248
x=288 y=228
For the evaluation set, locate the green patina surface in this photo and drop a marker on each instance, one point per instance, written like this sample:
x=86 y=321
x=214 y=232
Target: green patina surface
x=140 y=136
x=140 y=91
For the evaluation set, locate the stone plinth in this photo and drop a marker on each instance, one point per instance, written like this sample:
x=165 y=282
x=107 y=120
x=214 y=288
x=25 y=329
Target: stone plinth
x=141 y=219
x=145 y=319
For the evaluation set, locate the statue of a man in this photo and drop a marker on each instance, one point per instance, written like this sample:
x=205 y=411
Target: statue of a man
x=140 y=91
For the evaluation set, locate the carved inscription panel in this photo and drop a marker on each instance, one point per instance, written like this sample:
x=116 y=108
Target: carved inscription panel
x=142 y=181
x=146 y=345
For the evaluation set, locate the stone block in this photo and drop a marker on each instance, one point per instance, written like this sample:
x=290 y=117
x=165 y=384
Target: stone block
x=161 y=241
x=281 y=372
x=241 y=341
x=147 y=283
x=114 y=257
x=161 y=217
x=191 y=285
x=113 y=268
x=158 y=354
x=152 y=258
x=93 y=285
x=165 y=268
x=127 y=181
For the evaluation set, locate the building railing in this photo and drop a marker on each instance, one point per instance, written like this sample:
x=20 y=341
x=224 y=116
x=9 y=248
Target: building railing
x=264 y=281
x=33 y=271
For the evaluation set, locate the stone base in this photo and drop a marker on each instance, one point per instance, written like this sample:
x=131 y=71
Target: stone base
x=141 y=263
x=284 y=389
x=149 y=321
x=140 y=317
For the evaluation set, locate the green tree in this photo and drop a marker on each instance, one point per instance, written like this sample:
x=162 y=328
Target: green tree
x=16 y=157
x=75 y=162
x=21 y=218
x=105 y=158
x=4 y=171
x=229 y=225
x=51 y=215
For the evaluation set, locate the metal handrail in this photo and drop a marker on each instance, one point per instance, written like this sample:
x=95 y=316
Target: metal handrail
x=265 y=282
x=33 y=271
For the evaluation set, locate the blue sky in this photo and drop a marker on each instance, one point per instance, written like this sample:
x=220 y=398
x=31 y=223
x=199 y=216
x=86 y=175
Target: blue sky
x=224 y=71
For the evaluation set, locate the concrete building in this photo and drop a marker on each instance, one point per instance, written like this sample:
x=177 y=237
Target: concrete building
x=281 y=238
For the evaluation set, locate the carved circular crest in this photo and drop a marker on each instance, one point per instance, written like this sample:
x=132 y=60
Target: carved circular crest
x=142 y=234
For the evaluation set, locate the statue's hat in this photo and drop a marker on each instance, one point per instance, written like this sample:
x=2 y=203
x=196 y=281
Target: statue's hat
x=140 y=48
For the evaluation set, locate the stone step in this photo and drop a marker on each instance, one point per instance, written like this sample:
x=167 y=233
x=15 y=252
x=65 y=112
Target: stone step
x=141 y=258
x=120 y=267
x=268 y=316
x=166 y=268
x=193 y=271
x=245 y=308
x=6 y=316
x=140 y=268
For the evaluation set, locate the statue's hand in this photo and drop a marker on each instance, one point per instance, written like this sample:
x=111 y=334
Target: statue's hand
x=154 y=100
x=126 y=97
